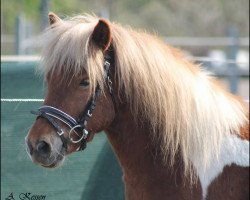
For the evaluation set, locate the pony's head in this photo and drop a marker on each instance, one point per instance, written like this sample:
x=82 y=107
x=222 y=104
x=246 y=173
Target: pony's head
x=65 y=122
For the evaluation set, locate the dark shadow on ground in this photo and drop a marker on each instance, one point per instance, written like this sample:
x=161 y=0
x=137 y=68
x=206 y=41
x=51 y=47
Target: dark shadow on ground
x=105 y=181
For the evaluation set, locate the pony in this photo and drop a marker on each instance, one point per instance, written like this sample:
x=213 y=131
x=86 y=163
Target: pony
x=177 y=133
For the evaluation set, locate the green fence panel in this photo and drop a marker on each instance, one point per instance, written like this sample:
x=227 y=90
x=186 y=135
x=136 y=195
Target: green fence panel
x=93 y=174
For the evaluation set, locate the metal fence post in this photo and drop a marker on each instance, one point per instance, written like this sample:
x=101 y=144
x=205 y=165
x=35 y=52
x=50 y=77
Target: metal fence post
x=29 y=33
x=233 y=71
x=44 y=9
x=20 y=34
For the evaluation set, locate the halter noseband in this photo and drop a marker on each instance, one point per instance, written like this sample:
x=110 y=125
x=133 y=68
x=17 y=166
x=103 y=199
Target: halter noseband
x=76 y=126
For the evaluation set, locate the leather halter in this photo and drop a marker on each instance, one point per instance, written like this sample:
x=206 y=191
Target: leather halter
x=53 y=114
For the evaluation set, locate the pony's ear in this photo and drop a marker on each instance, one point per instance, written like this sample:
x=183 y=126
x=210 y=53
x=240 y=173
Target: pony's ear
x=101 y=35
x=53 y=18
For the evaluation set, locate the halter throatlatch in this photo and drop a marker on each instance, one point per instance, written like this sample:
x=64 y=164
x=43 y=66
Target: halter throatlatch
x=77 y=127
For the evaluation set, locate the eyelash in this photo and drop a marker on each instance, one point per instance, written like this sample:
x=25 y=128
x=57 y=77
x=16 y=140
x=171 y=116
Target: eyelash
x=84 y=83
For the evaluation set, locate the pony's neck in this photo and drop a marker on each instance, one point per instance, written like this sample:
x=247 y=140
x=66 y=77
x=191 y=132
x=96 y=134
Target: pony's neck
x=145 y=175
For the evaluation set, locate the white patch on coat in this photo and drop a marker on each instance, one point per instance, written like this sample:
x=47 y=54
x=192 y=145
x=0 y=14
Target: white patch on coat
x=233 y=150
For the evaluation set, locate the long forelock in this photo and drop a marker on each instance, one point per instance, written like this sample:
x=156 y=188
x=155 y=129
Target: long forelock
x=66 y=49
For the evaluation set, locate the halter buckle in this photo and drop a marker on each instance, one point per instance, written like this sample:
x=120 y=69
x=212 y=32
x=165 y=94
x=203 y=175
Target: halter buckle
x=89 y=114
x=110 y=85
x=60 y=133
x=107 y=64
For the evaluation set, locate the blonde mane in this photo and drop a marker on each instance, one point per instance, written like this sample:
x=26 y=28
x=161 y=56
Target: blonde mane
x=186 y=108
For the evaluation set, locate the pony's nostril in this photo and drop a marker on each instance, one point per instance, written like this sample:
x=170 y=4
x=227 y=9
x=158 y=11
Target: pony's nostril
x=43 y=148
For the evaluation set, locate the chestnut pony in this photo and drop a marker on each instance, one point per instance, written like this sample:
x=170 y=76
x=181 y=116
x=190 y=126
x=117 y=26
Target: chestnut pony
x=175 y=131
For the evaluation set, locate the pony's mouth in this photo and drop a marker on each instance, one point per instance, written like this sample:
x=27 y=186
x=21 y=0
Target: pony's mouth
x=58 y=161
x=55 y=164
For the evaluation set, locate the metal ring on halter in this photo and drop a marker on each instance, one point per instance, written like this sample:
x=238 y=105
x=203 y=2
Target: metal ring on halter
x=84 y=134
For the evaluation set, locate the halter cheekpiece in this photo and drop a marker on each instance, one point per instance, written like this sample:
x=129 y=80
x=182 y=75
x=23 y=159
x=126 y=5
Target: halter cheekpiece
x=77 y=127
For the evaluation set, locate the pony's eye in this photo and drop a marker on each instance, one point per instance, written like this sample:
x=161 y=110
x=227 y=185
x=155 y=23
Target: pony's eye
x=84 y=83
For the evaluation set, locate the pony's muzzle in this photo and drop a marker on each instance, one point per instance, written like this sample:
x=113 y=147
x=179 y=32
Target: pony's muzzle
x=45 y=152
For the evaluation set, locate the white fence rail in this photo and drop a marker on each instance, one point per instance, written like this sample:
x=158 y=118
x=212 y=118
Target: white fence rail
x=207 y=41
